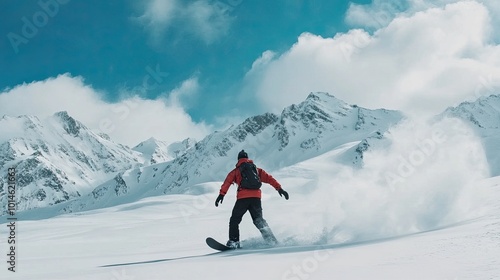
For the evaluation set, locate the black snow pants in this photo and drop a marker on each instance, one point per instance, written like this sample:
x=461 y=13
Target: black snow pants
x=254 y=206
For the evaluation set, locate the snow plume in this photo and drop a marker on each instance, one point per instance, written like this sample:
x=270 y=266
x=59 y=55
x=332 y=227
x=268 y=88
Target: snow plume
x=421 y=180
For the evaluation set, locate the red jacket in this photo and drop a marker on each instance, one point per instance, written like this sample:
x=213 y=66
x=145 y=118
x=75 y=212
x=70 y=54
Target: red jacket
x=235 y=177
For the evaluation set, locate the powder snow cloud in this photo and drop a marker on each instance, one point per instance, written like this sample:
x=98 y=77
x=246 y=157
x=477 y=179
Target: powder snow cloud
x=128 y=121
x=419 y=61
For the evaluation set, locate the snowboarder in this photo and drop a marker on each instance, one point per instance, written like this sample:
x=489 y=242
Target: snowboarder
x=248 y=198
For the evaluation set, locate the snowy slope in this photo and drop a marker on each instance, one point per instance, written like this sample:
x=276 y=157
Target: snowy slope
x=484 y=115
x=351 y=228
x=57 y=159
x=311 y=128
x=156 y=151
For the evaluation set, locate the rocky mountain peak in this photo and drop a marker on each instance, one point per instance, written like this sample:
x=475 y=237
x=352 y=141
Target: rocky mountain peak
x=253 y=126
x=324 y=98
x=484 y=113
x=54 y=166
x=318 y=112
x=70 y=125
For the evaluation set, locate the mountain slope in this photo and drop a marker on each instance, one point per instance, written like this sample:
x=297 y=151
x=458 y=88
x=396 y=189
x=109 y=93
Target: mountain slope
x=313 y=127
x=156 y=151
x=57 y=159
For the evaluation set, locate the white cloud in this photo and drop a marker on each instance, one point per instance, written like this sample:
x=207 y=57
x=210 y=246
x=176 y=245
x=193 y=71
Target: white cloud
x=205 y=19
x=186 y=90
x=380 y=13
x=420 y=63
x=129 y=121
x=375 y=15
x=262 y=61
x=208 y=21
x=158 y=16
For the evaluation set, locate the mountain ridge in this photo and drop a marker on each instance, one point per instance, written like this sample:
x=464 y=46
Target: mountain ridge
x=57 y=159
x=302 y=131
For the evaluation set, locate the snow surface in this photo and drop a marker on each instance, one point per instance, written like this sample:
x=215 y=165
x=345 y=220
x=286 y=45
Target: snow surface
x=156 y=151
x=340 y=223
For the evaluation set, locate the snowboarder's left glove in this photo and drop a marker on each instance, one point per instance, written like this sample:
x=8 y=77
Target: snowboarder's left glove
x=283 y=193
x=220 y=198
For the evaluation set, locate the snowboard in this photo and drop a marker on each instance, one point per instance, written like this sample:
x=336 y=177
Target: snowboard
x=216 y=245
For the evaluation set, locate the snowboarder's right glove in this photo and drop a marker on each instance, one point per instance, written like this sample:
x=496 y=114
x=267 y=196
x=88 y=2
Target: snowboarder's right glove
x=283 y=193
x=220 y=198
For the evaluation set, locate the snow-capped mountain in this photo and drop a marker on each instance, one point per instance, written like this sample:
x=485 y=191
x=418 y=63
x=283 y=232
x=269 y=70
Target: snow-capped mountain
x=155 y=151
x=57 y=159
x=315 y=126
x=443 y=215
x=484 y=116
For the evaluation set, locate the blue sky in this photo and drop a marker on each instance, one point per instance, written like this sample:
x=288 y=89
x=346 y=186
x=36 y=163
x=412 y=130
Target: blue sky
x=156 y=67
x=108 y=44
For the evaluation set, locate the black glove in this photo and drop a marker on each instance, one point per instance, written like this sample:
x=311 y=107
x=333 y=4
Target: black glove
x=283 y=193
x=220 y=198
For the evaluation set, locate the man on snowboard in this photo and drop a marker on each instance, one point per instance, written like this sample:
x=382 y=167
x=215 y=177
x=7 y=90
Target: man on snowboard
x=248 y=198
